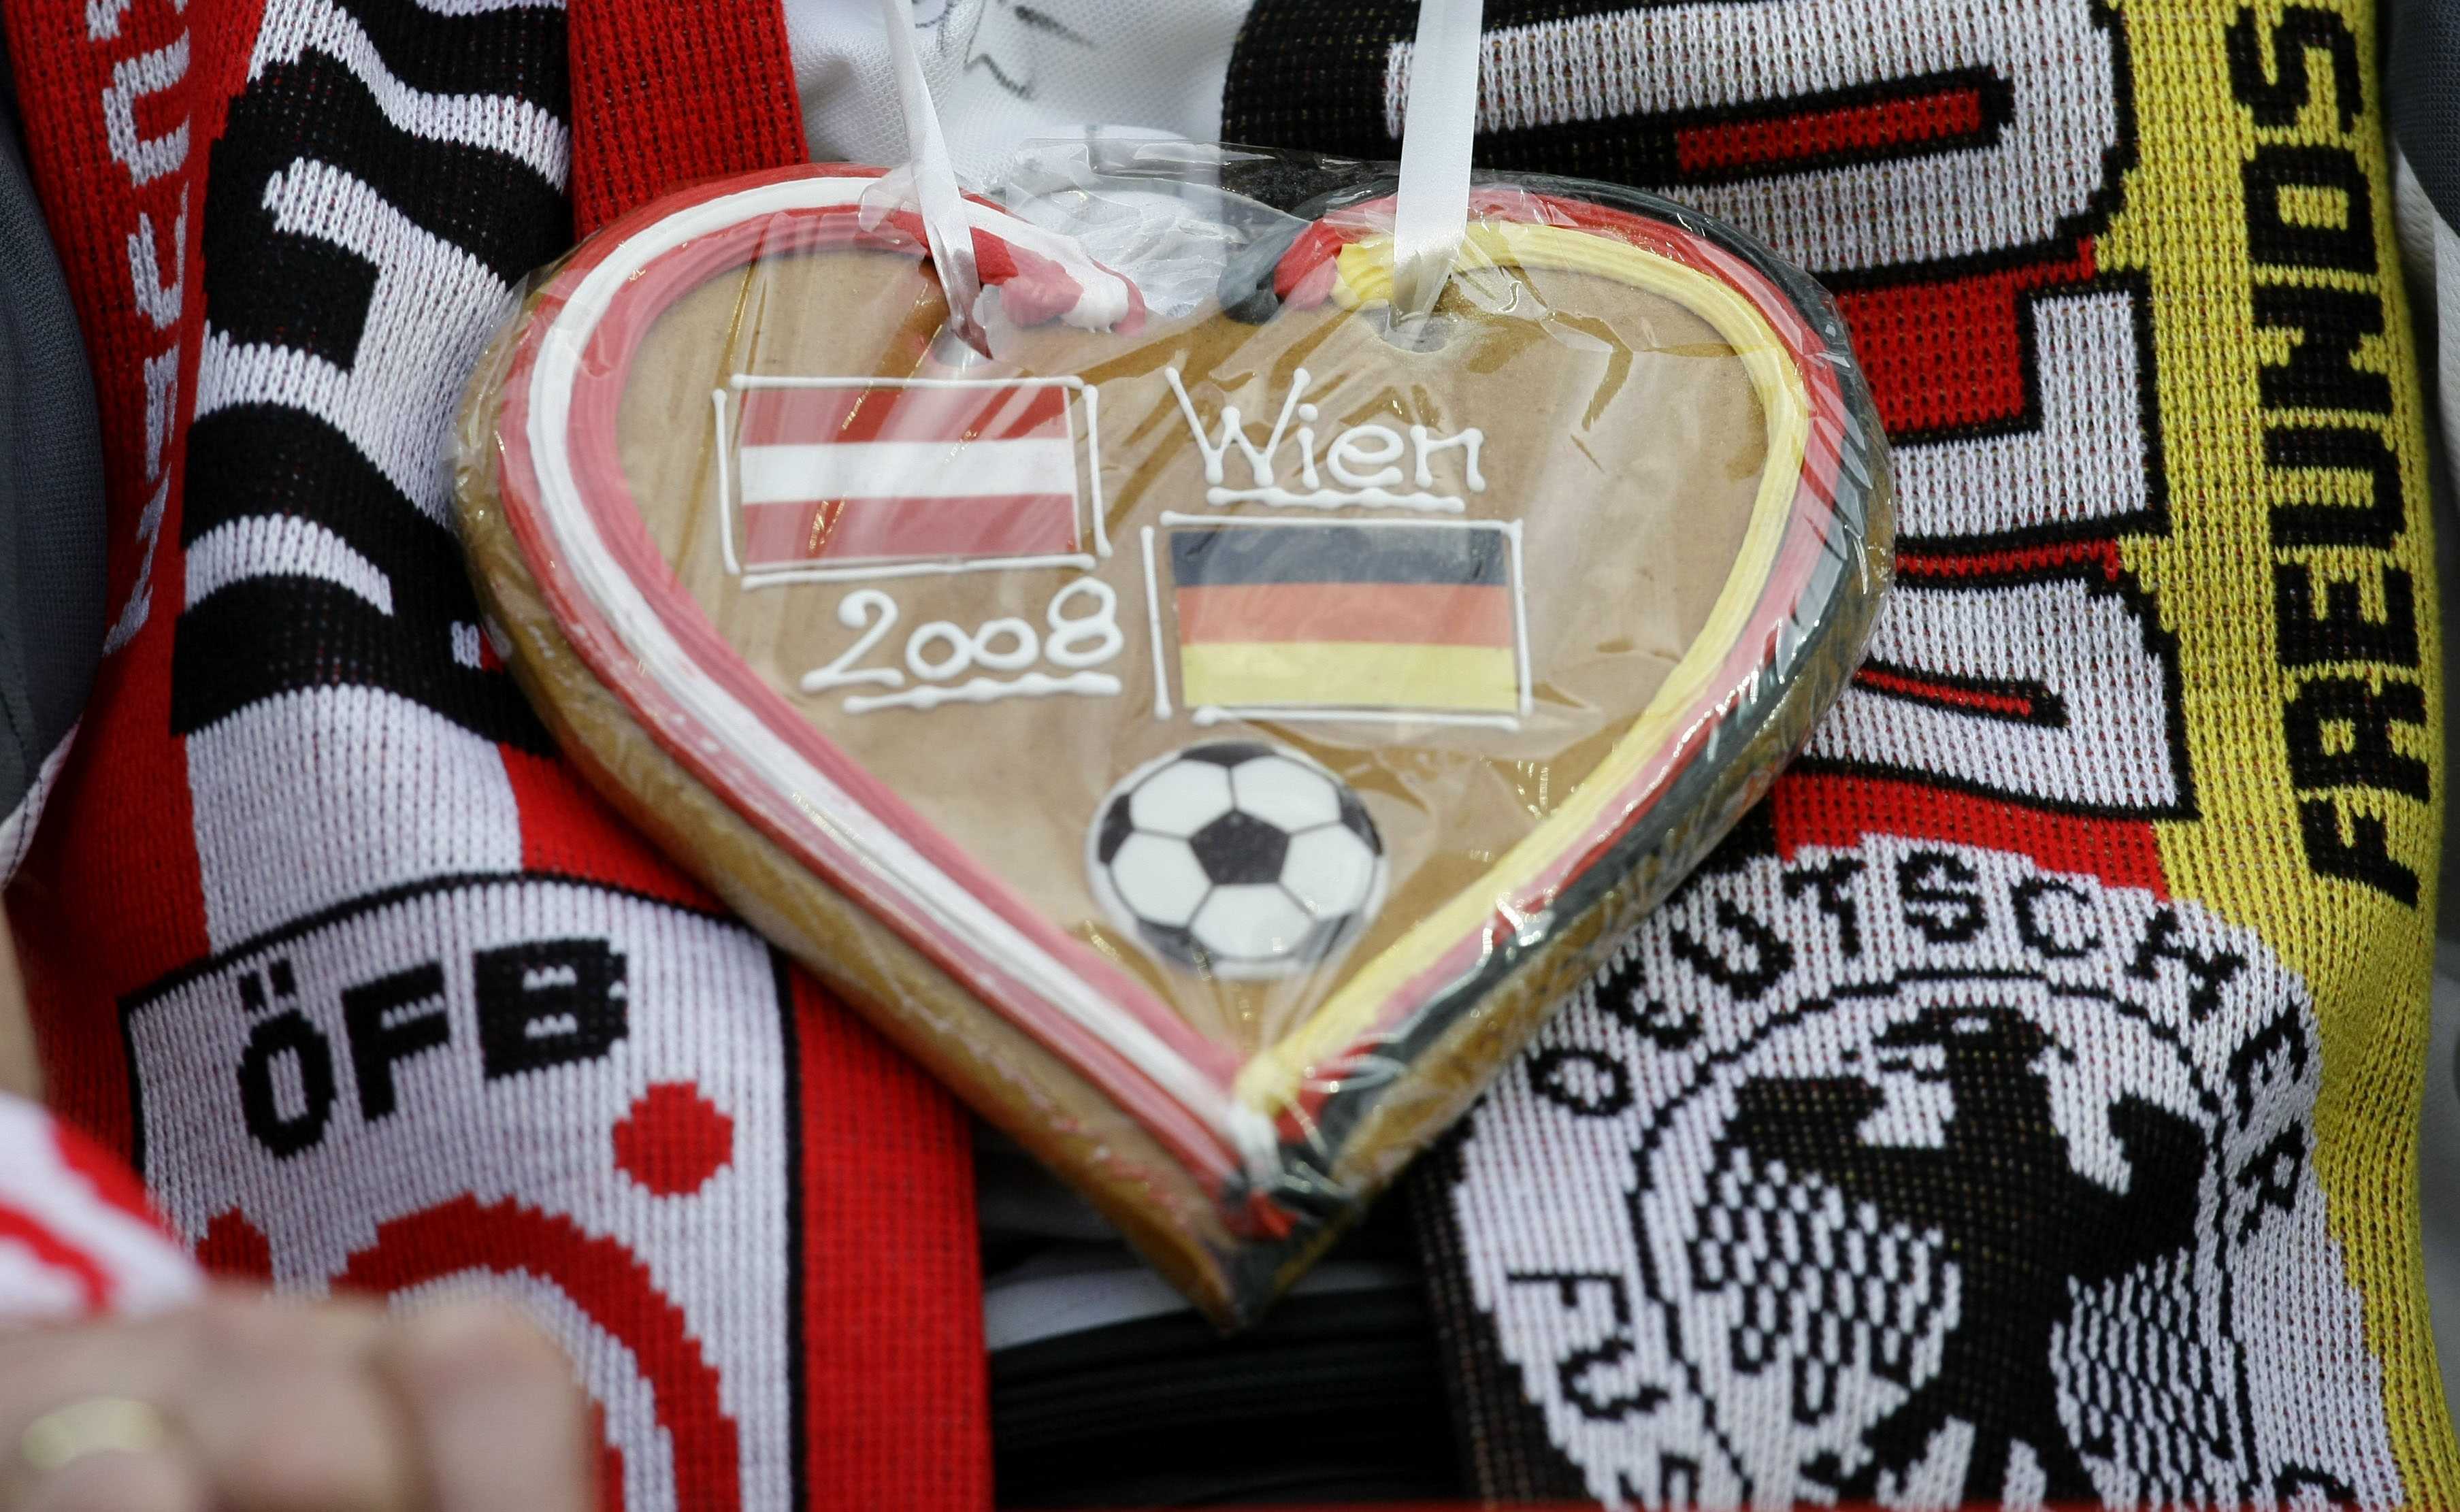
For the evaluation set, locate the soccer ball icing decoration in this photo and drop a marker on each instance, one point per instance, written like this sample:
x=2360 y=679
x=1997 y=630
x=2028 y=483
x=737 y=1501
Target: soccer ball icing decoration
x=1238 y=858
x=1209 y=731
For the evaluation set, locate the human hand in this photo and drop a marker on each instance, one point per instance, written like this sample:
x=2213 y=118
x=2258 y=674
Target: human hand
x=245 y=1404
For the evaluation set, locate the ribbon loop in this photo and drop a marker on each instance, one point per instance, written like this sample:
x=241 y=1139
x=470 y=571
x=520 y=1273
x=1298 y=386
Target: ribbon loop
x=947 y=228
x=1437 y=135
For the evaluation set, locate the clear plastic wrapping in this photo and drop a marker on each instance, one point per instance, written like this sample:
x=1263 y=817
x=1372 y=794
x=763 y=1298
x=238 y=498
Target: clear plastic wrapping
x=1212 y=728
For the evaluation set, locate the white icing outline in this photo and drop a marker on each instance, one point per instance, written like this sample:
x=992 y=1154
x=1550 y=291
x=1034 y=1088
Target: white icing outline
x=987 y=690
x=1092 y=392
x=1275 y=714
x=899 y=868
x=1153 y=619
x=725 y=491
x=1520 y=623
x=876 y=571
x=1334 y=498
x=792 y=380
x=1216 y=713
x=1172 y=516
x=910 y=570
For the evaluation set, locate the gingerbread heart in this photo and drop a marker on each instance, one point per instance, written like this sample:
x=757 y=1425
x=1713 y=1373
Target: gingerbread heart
x=1210 y=738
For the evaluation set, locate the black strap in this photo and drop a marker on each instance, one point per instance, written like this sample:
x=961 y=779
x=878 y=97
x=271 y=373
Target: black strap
x=2421 y=93
x=50 y=489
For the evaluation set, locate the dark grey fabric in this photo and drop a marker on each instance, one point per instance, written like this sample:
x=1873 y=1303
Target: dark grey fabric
x=2421 y=93
x=51 y=492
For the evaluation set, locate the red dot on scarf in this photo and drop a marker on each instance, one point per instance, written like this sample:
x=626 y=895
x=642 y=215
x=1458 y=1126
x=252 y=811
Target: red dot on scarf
x=235 y=1247
x=673 y=1139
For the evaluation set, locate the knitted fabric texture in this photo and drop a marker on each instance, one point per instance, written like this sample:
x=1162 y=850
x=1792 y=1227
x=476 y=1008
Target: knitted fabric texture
x=76 y=1237
x=2022 y=1109
x=321 y=935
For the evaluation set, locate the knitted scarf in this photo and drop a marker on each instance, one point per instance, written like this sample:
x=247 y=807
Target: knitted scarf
x=2018 y=1109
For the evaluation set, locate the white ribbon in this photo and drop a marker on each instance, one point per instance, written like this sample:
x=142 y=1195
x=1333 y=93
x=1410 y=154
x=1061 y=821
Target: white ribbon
x=947 y=228
x=1436 y=136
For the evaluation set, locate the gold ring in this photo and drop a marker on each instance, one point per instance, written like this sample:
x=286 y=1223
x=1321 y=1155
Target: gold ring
x=95 y=1425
